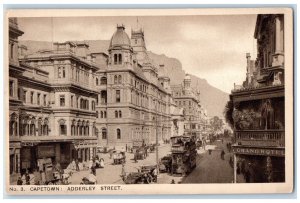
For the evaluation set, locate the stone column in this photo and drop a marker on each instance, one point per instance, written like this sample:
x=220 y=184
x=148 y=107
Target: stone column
x=278 y=56
x=278 y=48
x=234 y=168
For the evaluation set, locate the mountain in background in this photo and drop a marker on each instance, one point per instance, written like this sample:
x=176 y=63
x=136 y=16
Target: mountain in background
x=212 y=99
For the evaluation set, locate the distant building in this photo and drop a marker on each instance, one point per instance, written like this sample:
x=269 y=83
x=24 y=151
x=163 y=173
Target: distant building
x=188 y=99
x=259 y=107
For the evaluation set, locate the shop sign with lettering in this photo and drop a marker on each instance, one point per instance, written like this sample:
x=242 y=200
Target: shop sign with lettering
x=258 y=151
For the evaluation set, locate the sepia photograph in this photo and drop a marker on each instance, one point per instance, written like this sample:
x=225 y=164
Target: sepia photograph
x=115 y=99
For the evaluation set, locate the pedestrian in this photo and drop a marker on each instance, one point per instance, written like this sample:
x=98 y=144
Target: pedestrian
x=135 y=157
x=19 y=182
x=155 y=175
x=173 y=181
x=230 y=161
x=247 y=176
x=27 y=178
x=110 y=154
x=222 y=154
x=126 y=147
x=123 y=172
x=77 y=165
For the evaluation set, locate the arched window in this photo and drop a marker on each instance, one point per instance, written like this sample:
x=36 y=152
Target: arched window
x=118 y=96
x=87 y=130
x=115 y=59
x=116 y=114
x=120 y=58
x=102 y=114
x=119 y=79
x=87 y=104
x=62 y=127
x=93 y=105
x=78 y=132
x=118 y=134
x=103 y=81
x=116 y=79
x=103 y=97
x=63 y=72
x=40 y=127
x=104 y=133
x=97 y=81
x=45 y=128
x=120 y=114
x=13 y=125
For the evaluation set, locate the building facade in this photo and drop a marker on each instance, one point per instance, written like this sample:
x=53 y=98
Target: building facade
x=52 y=105
x=133 y=101
x=259 y=105
x=194 y=115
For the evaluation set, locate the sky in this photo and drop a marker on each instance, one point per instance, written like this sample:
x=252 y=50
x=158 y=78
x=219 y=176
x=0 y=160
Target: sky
x=211 y=47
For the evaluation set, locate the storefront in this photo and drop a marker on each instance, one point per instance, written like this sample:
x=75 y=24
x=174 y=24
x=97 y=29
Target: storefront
x=84 y=150
x=14 y=158
x=33 y=153
x=259 y=165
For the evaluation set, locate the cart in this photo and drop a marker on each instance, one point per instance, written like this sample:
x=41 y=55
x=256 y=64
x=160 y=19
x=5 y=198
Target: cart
x=119 y=158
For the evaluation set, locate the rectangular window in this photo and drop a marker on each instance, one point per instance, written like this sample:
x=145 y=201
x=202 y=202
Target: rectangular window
x=118 y=96
x=59 y=72
x=31 y=97
x=19 y=93
x=72 y=98
x=12 y=50
x=38 y=98
x=62 y=100
x=45 y=100
x=24 y=96
x=11 y=88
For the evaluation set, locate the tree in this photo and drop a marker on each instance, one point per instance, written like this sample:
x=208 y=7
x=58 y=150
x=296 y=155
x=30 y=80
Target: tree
x=228 y=110
x=216 y=123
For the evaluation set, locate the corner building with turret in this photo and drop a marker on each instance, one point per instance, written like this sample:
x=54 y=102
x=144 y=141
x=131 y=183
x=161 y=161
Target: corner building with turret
x=134 y=101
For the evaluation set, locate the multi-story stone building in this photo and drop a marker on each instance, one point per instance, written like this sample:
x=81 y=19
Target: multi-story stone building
x=52 y=105
x=134 y=102
x=15 y=72
x=187 y=98
x=259 y=107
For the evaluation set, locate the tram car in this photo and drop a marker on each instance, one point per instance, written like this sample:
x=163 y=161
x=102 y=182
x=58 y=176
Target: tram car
x=183 y=153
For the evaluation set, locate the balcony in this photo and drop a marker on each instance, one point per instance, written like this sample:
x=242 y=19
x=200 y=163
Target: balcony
x=260 y=138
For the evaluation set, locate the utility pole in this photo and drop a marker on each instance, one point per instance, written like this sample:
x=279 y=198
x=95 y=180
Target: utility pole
x=157 y=161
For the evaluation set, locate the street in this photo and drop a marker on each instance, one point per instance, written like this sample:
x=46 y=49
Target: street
x=210 y=167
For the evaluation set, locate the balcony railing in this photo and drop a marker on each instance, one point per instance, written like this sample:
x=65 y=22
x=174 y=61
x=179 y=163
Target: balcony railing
x=260 y=138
